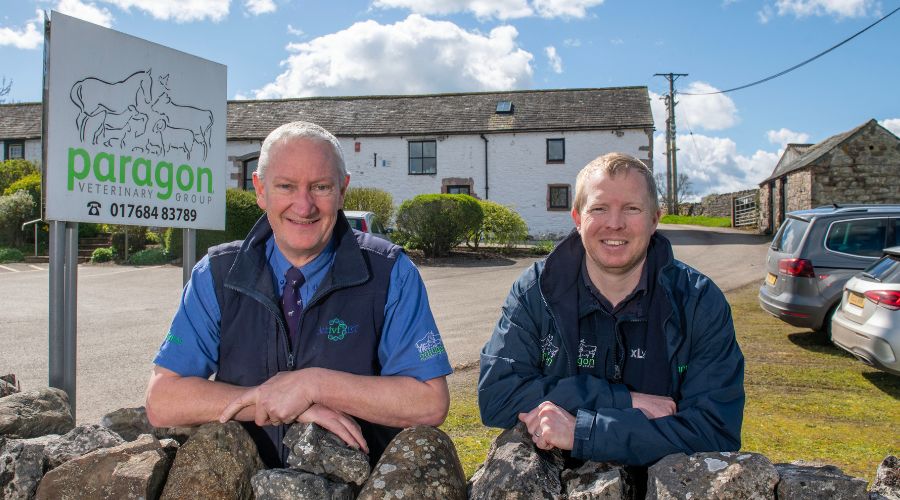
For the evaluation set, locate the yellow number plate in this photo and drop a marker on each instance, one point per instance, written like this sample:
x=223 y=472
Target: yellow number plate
x=771 y=279
x=856 y=299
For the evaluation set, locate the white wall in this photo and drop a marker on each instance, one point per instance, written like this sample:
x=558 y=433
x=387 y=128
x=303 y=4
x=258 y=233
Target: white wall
x=32 y=151
x=518 y=172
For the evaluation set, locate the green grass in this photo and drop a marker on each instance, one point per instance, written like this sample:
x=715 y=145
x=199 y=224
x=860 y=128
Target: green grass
x=806 y=399
x=696 y=220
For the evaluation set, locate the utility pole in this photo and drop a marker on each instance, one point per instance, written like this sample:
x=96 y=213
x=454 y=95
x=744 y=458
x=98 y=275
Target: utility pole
x=671 y=163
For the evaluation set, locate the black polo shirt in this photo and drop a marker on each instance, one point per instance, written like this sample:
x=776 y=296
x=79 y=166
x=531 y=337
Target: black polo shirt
x=614 y=342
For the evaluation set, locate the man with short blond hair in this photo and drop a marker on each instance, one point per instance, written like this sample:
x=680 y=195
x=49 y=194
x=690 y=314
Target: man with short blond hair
x=305 y=320
x=611 y=349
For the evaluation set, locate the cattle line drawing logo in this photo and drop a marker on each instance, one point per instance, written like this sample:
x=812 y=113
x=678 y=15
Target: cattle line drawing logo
x=586 y=354
x=548 y=350
x=429 y=346
x=136 y=114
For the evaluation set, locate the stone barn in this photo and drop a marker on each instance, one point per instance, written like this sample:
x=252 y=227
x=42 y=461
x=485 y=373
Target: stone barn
x=861 y=165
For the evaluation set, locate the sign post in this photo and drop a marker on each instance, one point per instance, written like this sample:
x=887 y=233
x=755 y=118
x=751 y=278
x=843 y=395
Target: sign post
x=134 y=134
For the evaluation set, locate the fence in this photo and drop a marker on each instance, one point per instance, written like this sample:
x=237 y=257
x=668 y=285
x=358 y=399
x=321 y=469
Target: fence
x=744 y=212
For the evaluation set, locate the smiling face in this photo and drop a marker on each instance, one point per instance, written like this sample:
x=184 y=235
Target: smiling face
x=301 y=193
x=616 y=221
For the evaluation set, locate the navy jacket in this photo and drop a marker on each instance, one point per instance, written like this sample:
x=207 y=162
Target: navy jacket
x=531 y=358
x=340 y=326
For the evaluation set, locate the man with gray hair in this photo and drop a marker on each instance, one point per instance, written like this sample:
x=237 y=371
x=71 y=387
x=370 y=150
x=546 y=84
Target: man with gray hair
x=611 y=349
x=305 y=320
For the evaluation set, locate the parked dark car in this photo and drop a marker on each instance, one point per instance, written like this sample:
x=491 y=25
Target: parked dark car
x=815 y=252
x=867 y=323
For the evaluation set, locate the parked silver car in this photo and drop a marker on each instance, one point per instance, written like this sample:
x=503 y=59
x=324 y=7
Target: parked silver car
x=867 y=323
x=367 y=223
x=815 y=252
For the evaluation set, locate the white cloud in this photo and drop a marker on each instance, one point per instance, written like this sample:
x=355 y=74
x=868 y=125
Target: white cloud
x=564 y=8
x=86 y=11
x=554 y=59
x=617 y=41
x=892 y=124
x=295 y=31
x=710 y=112
x=416 y=55
x=572 y=42
x=713 y=165
x=836 y=8
x=784 y=136
x=500 y=9
x=181 y=11
x=31 y=36
x=258 y=7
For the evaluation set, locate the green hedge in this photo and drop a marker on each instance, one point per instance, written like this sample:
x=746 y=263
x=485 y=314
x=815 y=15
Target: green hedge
x=103 y=255
x=149 y=257
x=15 y=209
x=501 y=226
x=435 y=223
x=13 y=170
x=371 y=200
x=10 y=255
x=241 y=212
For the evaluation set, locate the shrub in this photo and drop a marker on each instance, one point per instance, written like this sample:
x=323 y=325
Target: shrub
x=241 y=212
x=15 y=209
x=149 y=257
x=502 y=226
x=10 y=255
x=543 y=247
x=435 y=223
x=13 y=170
x=30 y=183
x=90 y=230
x=154 y=238
x=103 y=255
x=371 y=200
x=137 y=238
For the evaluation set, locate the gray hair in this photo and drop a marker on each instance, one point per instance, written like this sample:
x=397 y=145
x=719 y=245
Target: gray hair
x=300 y=130
x=613 y=164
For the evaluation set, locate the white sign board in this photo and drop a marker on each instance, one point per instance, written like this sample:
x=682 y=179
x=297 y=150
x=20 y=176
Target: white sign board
x=136 y=131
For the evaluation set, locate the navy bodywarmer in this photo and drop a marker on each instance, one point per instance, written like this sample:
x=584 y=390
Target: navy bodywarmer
x=340 y=327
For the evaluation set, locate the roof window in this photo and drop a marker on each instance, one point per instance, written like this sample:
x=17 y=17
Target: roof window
x=504 y=107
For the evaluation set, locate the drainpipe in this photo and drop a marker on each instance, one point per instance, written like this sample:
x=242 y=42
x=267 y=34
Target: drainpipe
x=486 y=186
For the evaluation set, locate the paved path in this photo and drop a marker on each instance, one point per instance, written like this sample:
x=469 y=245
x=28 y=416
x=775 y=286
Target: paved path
x=123 y=312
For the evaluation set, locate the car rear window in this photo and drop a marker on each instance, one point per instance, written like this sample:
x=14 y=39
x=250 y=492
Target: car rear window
x=864 y=237
x=355 y=223
x=789 y=235
x=885 y=270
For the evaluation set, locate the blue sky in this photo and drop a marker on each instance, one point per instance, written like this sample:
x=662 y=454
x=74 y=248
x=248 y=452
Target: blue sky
x=289 y=48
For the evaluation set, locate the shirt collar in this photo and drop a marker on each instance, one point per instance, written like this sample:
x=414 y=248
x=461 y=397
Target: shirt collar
x=279 y=264
x=589 y=305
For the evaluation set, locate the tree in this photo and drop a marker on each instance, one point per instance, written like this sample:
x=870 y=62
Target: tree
x=685 y=187
x=5 y=88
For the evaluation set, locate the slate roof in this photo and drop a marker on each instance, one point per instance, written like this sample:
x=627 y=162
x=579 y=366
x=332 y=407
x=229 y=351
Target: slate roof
x=437 y=114
x=812 y=153
x=445 y=114
x=20 y=121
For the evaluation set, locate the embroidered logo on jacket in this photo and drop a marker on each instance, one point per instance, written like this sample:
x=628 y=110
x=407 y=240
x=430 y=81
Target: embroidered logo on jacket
x=548 y=350
x=638 y=353
x=429 y=346
x=586 y=353
x=337 y=329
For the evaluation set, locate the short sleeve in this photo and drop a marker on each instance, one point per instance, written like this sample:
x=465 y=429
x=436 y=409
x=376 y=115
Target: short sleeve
x=191 y=348
x=410 y=342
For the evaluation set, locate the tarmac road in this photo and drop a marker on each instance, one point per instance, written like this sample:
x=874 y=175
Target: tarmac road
x=124 y=312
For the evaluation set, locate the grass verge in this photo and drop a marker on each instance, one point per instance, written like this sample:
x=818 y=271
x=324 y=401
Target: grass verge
x=696 y=220
x=806 y=399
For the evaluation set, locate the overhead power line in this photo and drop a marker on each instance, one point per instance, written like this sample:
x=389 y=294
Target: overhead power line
x=792 y=68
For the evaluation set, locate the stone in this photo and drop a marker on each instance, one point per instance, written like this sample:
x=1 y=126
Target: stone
x=421 y=463
x=216 y=462
x=169 y=447
x=79 y=441
x=887 y=479
x=515 y=469
x=35 y=413
x=289 y=484
x=718 y=475
x=134 y=469
x=9 y=385
x=800 y=481
x=316 y=450
x=596 y=481
x=22 y=465
x=132 y=422
x=129 y=423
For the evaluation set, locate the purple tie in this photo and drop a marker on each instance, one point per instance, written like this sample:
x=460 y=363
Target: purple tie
x=291 y=303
